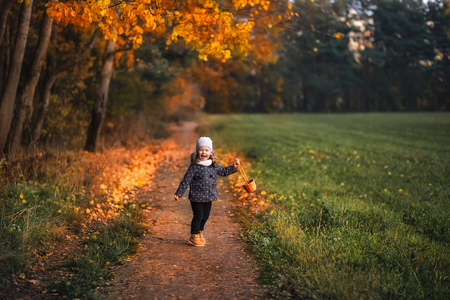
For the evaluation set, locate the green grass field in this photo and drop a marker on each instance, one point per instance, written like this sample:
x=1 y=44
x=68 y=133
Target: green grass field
x=360 y=202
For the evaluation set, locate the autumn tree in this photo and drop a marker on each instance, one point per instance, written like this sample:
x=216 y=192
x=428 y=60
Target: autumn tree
x=6 y=7
x=246 y=84
x=33 y=31
x=62 y=58
x=8 y=95
x=24 y=105
x=212 y=28
x=203 y=25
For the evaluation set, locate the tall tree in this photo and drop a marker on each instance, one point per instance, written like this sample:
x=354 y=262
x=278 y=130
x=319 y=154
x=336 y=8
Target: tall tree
x=4 y=42
x=438 y=94
x=6 y=8
x=316 y=65
x=24 y=106
x=402 y=37
x=99 y=108
x=9 y=93
x=53 y=72
x=248 y=84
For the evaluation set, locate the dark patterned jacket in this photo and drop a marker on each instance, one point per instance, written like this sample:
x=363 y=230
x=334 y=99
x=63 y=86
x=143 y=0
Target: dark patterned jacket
x=203 y=182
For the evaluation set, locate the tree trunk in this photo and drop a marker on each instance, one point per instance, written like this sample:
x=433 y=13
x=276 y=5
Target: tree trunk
x=99 y=107
x=24 y=109
x=5 y=61
x=49 y=81
x=9 y=92
x=4 y=19
x=43 y=108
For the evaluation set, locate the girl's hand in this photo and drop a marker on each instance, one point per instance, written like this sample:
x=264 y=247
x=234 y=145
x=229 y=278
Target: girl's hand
x=176 y=197
x=236 y=162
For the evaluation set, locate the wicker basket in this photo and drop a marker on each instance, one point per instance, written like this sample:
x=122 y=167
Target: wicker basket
x=250 y=185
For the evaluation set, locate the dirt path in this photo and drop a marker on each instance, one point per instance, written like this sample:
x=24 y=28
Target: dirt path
x=166 y=267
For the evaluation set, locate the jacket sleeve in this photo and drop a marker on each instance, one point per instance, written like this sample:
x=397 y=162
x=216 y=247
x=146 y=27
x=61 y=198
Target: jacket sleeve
x=225 y=171
x=186 y=181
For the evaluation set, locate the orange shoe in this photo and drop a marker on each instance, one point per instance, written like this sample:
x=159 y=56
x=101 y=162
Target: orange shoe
x=195 y=240
x=202 y=239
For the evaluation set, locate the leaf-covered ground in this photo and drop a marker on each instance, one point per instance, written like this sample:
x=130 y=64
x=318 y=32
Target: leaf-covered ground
x=166 y=267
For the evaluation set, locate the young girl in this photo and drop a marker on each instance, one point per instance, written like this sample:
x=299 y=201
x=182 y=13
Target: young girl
x=201 y=178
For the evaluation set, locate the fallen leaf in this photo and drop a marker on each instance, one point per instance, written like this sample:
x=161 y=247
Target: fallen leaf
x=34 y=281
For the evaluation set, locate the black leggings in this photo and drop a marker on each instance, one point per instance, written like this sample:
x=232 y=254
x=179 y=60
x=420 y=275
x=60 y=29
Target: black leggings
x=201 y=212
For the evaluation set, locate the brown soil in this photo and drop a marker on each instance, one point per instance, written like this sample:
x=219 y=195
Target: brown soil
x=166 y=266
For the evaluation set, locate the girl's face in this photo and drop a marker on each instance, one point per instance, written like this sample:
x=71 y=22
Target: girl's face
x=204 y=153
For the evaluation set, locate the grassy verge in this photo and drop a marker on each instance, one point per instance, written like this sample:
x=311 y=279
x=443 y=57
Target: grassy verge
x=359 y=202
x=76 y=203
x=32 y=218
x=36 y=215
x=89 y=267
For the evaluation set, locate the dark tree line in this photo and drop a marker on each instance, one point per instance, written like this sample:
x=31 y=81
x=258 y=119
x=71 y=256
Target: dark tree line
x=354 y=55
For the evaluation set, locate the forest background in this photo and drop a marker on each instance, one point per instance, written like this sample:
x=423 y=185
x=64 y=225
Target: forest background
x=99 y=75
x=316 y=56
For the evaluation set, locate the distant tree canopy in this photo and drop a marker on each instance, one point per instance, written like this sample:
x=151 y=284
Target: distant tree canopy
x=349 y=55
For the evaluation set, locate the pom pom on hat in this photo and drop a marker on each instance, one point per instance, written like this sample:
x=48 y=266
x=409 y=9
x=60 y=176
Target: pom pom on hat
x=204 y=141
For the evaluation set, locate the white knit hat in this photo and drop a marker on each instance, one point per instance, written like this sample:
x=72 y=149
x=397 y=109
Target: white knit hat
x=204 y=141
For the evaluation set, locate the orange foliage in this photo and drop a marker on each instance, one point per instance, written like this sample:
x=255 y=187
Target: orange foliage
x=270 y=21
x=263 y=51
x=211 y=28
x=183 y=97
x=125 y=170
x=216 y=78
x=126 y=56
